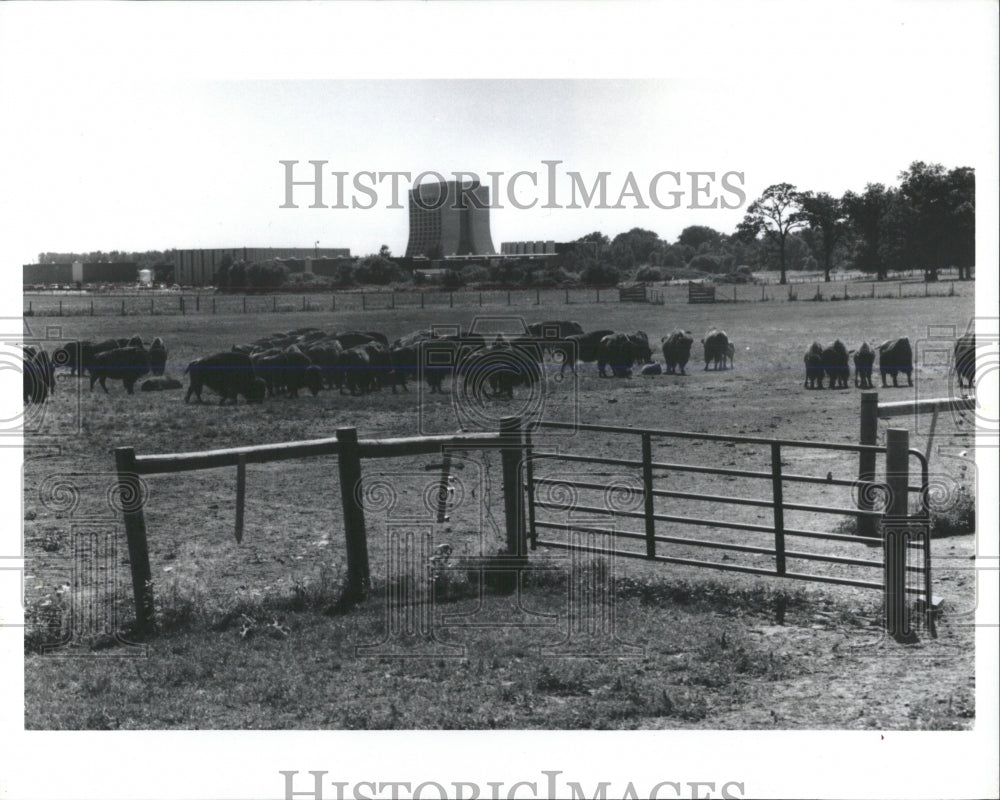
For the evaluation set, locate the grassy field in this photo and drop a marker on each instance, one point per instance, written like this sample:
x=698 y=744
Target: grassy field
x=248 y=633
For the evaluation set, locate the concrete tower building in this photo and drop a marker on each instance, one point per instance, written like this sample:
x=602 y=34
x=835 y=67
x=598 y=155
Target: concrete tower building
x=450 y=219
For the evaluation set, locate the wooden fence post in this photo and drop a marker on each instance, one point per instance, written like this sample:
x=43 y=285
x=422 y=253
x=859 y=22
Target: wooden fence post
x=866 y=462
x=213 y=305
x=508 y=297
x=510 y=456
x=349 y=459
x=777 y=489
x=244 y=304
x=60 y=307
x=422 y=299
x=91 y=307
x=241 y=495
x=183 y=312
x=896 y=536
x=130 y=496
x=364 y=302
x=197 y=302
x=123 y=308
x=451 y=299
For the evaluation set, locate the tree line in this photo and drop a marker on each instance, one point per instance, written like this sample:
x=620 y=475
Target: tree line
x=926 y=222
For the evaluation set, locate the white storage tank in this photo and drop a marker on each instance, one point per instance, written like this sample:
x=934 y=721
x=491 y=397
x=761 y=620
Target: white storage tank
x=145 y=277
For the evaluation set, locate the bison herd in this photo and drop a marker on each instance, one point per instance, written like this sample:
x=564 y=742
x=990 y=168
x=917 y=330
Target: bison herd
x=895 y=358
x=357 y=363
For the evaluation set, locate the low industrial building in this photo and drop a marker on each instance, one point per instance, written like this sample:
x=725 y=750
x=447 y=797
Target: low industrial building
x=71 y=273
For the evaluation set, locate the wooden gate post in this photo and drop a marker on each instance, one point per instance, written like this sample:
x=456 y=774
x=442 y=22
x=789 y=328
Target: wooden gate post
x=895 y=536
x=510 y=456
x=349 y=459
x=866 y=462
x=130 y=496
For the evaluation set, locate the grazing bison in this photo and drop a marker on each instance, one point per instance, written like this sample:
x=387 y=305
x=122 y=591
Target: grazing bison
x=895 y=356
x=496 y=370
x=580 y=347
x=814 y=366
x=642 y=353
x=558 y=329
x=864 y=359
x=716 y=348
x=228 y=375
x=836 y=365
x=160 y=384
x=617 y=352
x=326 y=356
x=677 y=350
x=125 y=364
x=157 y=357
x=405 y=361
x=38 y=374
x=356 y=366
x=73 y=355
x=965 y=359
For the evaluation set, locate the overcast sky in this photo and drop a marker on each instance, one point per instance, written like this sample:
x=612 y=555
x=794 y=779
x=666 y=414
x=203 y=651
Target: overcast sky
x=128 y=155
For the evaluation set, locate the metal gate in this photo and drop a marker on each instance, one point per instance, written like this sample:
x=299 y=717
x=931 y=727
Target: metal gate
x=656 y=506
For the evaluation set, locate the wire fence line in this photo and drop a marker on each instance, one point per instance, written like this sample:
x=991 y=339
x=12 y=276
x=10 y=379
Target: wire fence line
x=177 y=303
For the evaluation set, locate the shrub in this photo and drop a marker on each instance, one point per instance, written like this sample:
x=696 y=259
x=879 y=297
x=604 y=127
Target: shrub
x=706 y=263
x=378 y=271
x=649 y=275
x=452 y=279
x=475 y=273
x=600 y=275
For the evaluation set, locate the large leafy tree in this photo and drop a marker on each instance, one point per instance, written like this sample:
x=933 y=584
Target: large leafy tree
x=824 y=214
x=775 y=215
x=697 y=235
x=866 y=214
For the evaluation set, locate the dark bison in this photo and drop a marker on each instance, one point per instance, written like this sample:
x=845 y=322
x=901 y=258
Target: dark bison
x=731 y=354
x=226 y=374
x=579 y=347
x=157 y=357
x=405 y=361
x=617 y=352
x=125 y=364
x=558 y=329
x=814 y=366
x=864 y=359
x=355 y=364
x=677 y=350
x=38 y=374
x=287 y=371
x=74 y=355
x=496 y=370
x=326 y=356
x=716 y=349
x=895 y=356
x=836 y=365
x=642 y=353
x=965 y=359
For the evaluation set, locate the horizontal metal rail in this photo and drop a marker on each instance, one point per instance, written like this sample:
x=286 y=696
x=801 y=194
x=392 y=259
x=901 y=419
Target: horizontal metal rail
x=690 y=562
x=714 y=498
x=741 y=548
x=697 y=468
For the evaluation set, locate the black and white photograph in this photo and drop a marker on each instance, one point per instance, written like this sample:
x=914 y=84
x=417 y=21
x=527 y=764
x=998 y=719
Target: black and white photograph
x=500 y=400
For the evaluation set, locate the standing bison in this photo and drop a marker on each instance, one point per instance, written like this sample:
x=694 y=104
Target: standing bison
x=895 y=356
x=836 y=365
x=677 y=350
x=965 y=359
x=38 y=374
x=864 y=359
x=226 y=374
x=814 y=366
x=125 y=364
x=616 y=351
x=716 y=349
x=157 y=357
x=580 y=347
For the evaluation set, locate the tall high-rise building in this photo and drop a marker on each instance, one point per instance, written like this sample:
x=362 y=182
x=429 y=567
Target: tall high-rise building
x=450 y=219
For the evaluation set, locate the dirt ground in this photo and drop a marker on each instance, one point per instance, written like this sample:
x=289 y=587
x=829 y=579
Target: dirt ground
x=835 y=668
